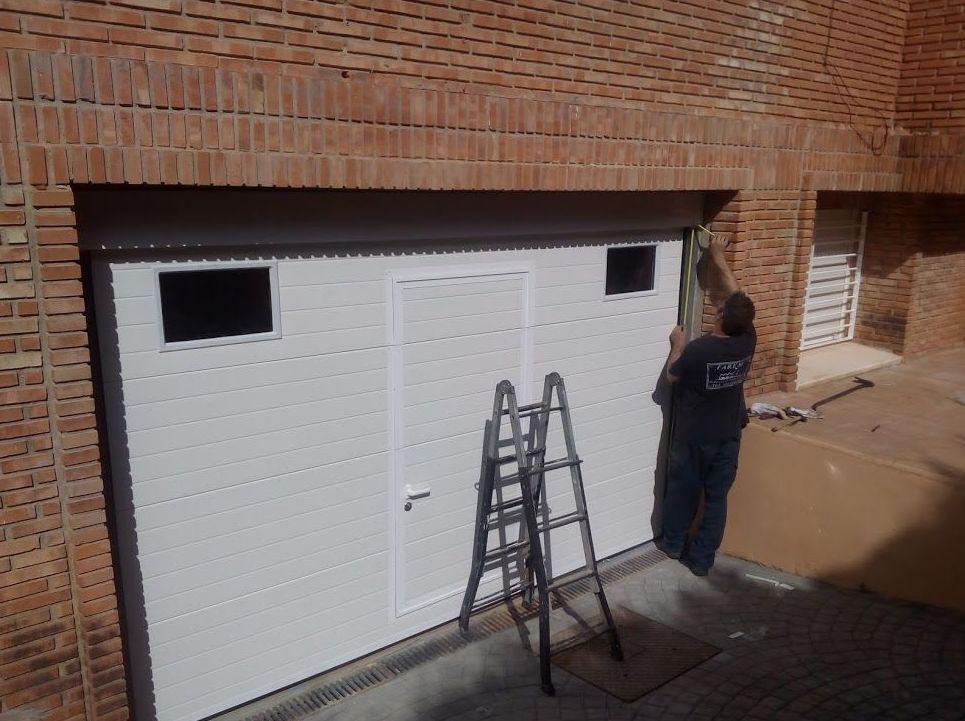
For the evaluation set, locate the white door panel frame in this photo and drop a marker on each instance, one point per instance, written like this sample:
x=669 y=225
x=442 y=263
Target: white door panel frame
x=396 y=281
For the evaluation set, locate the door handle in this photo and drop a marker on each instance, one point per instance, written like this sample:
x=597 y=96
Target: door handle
x=414 y=493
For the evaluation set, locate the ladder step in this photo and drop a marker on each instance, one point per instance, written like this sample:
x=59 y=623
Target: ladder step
x=566 y=520
x=523 y=409
x=506 y=550
x=512 y=457
x=553 y=465
x=567 y=580
x=538 y=410
x=515 y=503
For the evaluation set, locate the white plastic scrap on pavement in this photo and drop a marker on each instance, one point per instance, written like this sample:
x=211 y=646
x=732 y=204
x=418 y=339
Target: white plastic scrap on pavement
x=766 y=410
x=773 y=581
x=736 y=634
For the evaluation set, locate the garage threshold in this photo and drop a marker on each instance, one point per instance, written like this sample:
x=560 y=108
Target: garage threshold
x=327 y=689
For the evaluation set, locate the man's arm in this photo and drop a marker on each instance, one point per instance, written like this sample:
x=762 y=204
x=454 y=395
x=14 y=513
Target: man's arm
x=678 y=341
x=721 y=284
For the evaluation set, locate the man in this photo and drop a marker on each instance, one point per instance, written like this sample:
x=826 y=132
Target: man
x=709 y=373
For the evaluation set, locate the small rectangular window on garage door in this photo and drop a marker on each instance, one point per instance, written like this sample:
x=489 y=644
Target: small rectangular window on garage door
x=213 y=305
x=630 y=270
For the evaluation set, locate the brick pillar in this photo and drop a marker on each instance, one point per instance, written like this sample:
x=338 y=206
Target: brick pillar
x=39 y=660
x=60 y=640
x=63 y=326
x=799 y=254
x=39 y=665
x=771 y=233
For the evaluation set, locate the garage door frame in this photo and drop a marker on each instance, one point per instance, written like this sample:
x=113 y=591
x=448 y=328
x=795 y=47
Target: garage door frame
x=136 y=230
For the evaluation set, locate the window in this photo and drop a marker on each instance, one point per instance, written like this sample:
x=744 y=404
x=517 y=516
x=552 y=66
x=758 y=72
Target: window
x=834 y=278
x=210 y=306
x=630 y=269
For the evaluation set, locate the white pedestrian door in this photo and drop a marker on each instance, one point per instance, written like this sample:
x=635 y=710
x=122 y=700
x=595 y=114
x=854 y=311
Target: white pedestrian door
x=454 y=338
x=834 y=277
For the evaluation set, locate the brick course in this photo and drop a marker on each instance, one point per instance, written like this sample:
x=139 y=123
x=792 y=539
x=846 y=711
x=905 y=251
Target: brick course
x=767 y=102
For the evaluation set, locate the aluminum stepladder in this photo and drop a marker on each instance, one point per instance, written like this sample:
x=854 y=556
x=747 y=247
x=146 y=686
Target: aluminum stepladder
x=532 y=467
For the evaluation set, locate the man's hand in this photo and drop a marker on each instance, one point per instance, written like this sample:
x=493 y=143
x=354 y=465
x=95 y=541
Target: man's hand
x=717 y=247
x=678 y=337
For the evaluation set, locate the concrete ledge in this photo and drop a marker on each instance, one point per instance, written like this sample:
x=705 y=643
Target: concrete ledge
x=840 y=516
x=840 y=360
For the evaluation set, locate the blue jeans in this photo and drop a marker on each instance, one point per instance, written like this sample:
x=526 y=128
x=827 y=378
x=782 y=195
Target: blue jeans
x=696 y=467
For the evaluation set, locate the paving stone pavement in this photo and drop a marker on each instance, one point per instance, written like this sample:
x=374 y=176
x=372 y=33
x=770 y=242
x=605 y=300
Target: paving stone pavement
x=807 y=653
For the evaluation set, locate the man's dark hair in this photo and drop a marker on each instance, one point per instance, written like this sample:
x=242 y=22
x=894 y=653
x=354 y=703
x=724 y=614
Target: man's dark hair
x=737 y=314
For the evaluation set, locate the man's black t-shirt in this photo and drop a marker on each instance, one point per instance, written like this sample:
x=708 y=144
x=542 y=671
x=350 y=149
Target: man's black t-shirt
x=711 y=373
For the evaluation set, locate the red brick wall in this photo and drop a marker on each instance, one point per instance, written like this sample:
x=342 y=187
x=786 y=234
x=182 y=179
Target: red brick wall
x=933 y=67
x=931 y=98
x=795 y=60
x=936 y=319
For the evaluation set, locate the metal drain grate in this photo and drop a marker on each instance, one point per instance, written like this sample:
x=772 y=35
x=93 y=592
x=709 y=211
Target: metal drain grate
x=386 y=665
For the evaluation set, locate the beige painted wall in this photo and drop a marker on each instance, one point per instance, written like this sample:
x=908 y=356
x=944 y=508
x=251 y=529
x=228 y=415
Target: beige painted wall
x=842 y=517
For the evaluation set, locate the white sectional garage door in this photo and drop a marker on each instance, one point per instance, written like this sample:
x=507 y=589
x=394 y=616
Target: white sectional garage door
x=261 y=483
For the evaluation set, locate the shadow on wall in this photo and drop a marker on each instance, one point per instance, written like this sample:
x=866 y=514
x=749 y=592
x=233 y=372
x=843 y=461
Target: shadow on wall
x=850 y=519
x=114 y=452
x=922 y=558
x=663 y=397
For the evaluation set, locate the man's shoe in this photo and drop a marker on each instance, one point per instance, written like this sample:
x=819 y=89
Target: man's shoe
x=695 y=568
